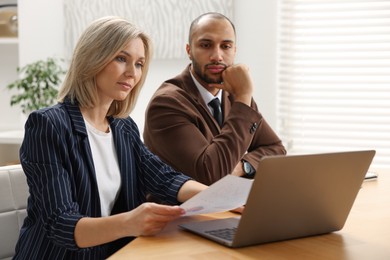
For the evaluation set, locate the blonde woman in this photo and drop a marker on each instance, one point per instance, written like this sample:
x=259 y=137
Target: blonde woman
x=86 y=167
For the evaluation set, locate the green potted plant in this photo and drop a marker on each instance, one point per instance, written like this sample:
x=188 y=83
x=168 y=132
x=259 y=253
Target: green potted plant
x=37 y=86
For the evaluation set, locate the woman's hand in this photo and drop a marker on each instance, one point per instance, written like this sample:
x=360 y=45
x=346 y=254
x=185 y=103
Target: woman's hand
x=145 y=220
x=239 y=210
x=150 y=218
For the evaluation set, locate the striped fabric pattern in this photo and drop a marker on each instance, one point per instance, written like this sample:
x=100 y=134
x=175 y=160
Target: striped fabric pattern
x=57 y=160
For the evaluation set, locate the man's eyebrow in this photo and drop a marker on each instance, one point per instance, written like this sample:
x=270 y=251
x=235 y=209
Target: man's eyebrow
x=205 y=40
x=208 y=40
x=228 y=41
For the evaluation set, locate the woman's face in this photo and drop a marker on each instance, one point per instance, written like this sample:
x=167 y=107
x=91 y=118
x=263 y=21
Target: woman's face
x=122 y=74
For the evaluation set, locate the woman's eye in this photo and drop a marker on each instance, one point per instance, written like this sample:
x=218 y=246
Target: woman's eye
x=121 y=59
x=139 y=65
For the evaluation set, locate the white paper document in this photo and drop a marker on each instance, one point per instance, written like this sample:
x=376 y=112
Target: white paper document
x=228 y=193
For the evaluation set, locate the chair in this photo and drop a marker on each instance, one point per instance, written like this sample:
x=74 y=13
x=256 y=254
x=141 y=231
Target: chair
x=13 y=203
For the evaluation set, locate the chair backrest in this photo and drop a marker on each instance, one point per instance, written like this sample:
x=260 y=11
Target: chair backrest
x=13 y=203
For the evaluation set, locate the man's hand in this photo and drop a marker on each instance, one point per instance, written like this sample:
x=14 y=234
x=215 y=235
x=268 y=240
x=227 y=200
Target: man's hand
x=238 y=82
x=238 y=170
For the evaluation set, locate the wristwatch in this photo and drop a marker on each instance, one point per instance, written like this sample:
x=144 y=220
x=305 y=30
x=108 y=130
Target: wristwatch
x=249 y=171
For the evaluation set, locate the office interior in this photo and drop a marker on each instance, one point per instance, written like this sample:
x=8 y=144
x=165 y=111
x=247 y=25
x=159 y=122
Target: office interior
x=42 y=28
x=43 y=31
x=41 y=35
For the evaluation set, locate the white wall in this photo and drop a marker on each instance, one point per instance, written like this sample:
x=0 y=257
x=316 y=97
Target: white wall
x=41 y=24
x=41 y=35
x=256 y=24
x=9 y=115
x=8 y=64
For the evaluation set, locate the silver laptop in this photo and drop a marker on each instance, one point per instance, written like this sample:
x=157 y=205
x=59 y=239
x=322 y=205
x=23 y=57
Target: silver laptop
x=293 y=196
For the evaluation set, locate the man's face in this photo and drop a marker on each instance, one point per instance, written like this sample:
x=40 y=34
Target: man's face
x=212 y=49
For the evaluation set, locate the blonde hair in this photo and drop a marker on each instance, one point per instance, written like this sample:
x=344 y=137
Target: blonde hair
x=97 y=46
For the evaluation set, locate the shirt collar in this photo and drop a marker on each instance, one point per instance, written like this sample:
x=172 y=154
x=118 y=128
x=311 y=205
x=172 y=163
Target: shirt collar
x=206 y=95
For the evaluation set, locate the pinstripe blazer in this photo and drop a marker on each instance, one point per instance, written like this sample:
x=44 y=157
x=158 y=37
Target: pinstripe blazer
x=57 y=160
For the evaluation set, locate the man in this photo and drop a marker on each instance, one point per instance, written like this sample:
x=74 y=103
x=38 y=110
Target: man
x=180 y=126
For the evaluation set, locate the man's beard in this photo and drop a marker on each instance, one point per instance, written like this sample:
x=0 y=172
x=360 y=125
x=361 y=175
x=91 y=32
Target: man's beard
x=203 y=76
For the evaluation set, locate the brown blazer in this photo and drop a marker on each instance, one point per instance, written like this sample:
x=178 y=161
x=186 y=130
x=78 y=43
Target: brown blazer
x=180 y=129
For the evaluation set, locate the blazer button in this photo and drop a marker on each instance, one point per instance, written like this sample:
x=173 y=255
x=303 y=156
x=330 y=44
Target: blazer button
x=253 y=128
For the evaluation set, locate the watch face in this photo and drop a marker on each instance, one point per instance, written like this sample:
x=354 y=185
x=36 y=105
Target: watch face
x=248 y=171
x=247 y=168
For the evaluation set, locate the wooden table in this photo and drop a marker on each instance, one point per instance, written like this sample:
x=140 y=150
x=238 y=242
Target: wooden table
x=366 y=235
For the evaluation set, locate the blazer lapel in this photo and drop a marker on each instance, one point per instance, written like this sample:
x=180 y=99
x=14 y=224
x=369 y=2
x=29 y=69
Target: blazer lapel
x=80 y=129
x=189 y=86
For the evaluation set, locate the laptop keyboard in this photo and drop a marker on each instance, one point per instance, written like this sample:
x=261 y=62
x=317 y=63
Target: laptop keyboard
x=224 y=233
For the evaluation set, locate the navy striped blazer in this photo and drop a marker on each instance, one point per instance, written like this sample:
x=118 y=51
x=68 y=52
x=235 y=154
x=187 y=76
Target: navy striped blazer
x=57 y=160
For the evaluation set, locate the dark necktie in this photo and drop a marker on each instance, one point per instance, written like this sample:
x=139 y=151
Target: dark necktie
x=216 y=105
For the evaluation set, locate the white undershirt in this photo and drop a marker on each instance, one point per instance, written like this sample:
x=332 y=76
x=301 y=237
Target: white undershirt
x=106 y=167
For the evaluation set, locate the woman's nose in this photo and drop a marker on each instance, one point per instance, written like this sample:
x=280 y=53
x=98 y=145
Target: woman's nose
x=129 y=72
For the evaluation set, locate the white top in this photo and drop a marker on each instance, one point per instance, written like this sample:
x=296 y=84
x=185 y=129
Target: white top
x=106 y=167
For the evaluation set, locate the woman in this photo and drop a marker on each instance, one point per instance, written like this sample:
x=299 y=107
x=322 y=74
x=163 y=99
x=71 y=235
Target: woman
x=86 y=167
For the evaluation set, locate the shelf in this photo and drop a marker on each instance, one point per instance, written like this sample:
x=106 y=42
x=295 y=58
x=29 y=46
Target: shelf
x=9 y=40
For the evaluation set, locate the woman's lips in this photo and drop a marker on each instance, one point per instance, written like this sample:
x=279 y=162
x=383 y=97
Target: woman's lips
x=125 y=85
